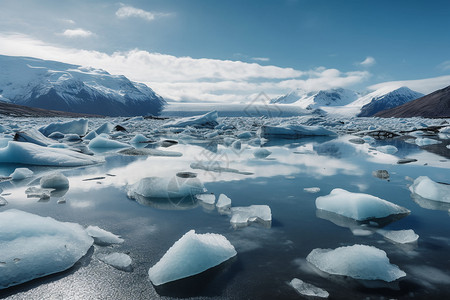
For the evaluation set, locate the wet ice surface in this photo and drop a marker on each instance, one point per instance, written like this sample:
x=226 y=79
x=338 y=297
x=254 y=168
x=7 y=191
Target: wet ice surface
x=158 y=214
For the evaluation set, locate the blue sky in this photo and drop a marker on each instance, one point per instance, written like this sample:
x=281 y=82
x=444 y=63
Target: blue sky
x=232 y=50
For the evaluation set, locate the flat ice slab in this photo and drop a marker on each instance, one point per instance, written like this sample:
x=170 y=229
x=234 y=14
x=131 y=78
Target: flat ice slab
x=307 y=289
x=358 y=206
x=120 y=261
x=159 y=187
x=294 y=131
x=190 y=255
x=388 y=149
x=243 y=215
x=429 y=189
x=103 y=142
x=399 y=236
x=357 y=261
x=32 y=246
x=31 y=154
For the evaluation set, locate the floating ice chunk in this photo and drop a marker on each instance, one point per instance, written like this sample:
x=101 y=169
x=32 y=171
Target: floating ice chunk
x=382 y=174
x=103 y=142
x=207 y=198
x=426 y=141
x=34 y=246
x=368 y=139
x=428 y=189
x=212 y=134
x=120 y=261
x=223 y=203
x=90 y=135
x=139 y=138
x=104 y=128
x=2 y=128
x=445 y=130
x=3 y=201
x=55 y=181
x=76 y=126
x=72 y=137
x=261 y=153
x=33 y=136
x=312 y=190
x=293 y=131
x=35 y=192
x=399 y=236
x=21 y=173
x=32 y=154
x=56 y=135
x=236 y=145
x=256 y=142
x=388 y=149
x=358 y=206
x=137 y=118
x=103 y=237
x=228 y=141
x=241 y=216
x=361 y=232
x=59 y=145
x=190 y=255
x=357 y=261
x=208 y=120
x=173 y=188
x=4 y=141
x=245 y=135
x=307 y=289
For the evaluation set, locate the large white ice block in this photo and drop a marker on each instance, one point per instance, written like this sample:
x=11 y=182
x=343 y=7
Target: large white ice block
x=76 y=126
x=429 y=189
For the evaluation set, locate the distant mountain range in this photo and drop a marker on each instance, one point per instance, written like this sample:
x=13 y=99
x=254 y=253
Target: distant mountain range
x=362 y=105
x=58 y=86
x=434 y=105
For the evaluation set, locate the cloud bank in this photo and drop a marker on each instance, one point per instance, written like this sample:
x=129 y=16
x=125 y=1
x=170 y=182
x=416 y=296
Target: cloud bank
x=369 y=61
x=74 y=33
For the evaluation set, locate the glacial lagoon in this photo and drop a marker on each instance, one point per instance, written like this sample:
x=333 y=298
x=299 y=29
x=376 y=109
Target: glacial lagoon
x=288 y=178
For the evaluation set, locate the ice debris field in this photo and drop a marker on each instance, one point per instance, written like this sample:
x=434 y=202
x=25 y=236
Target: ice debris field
x=224 y=207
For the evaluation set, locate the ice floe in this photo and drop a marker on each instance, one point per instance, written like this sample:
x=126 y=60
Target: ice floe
x=32 y=154
x=243 y=215
x=357 y=261
x=399 y=236
x=190 y=255
x=388 y=149
x=207 y=198
x=429 y=189
x=307 y=289
x=208 y=120
x=79 y=127
x=54 y=181
x=104 y=142
x=33 y=246
x=21 y=173
x=358 y=206
x=120 y=261
x=293 y=131
x=103 y=237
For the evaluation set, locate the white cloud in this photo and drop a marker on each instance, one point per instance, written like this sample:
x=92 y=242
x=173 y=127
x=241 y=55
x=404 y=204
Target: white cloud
x=74 y=33
x=260 y=58
x=445 y=65
x=187 y=78
x=424 y=86
x=129 y=11
x=369 y=61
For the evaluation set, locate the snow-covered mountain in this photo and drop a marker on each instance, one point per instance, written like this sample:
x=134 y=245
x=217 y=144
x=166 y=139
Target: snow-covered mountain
x=59 y=86
x=390 y=100
x=313 y=100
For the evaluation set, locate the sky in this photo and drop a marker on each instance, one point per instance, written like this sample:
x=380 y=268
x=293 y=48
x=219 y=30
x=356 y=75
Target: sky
x=231 y=51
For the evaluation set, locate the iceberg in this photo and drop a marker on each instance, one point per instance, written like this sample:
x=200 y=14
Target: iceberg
x=208 y=120
x=139 y=138
x=357 y=261
x=32 y=154
x=293 y=131
x=79 y=127
x=261 y=153
x=103 y=142
x=428 y=189
x=33 y=136
x=399 y=236
x=54 y=181
x=103 y=237
x=33 y=246
x=358 y=206
x=242 y=216
x=120 y=261
x=190 y=255
x=307 y=289
x=21 y=173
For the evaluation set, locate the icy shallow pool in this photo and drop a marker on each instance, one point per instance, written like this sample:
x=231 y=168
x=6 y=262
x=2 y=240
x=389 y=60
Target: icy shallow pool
x=269 y=254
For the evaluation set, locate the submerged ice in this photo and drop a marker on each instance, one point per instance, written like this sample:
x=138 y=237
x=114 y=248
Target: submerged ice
x=307 y=289
x=32 y=246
